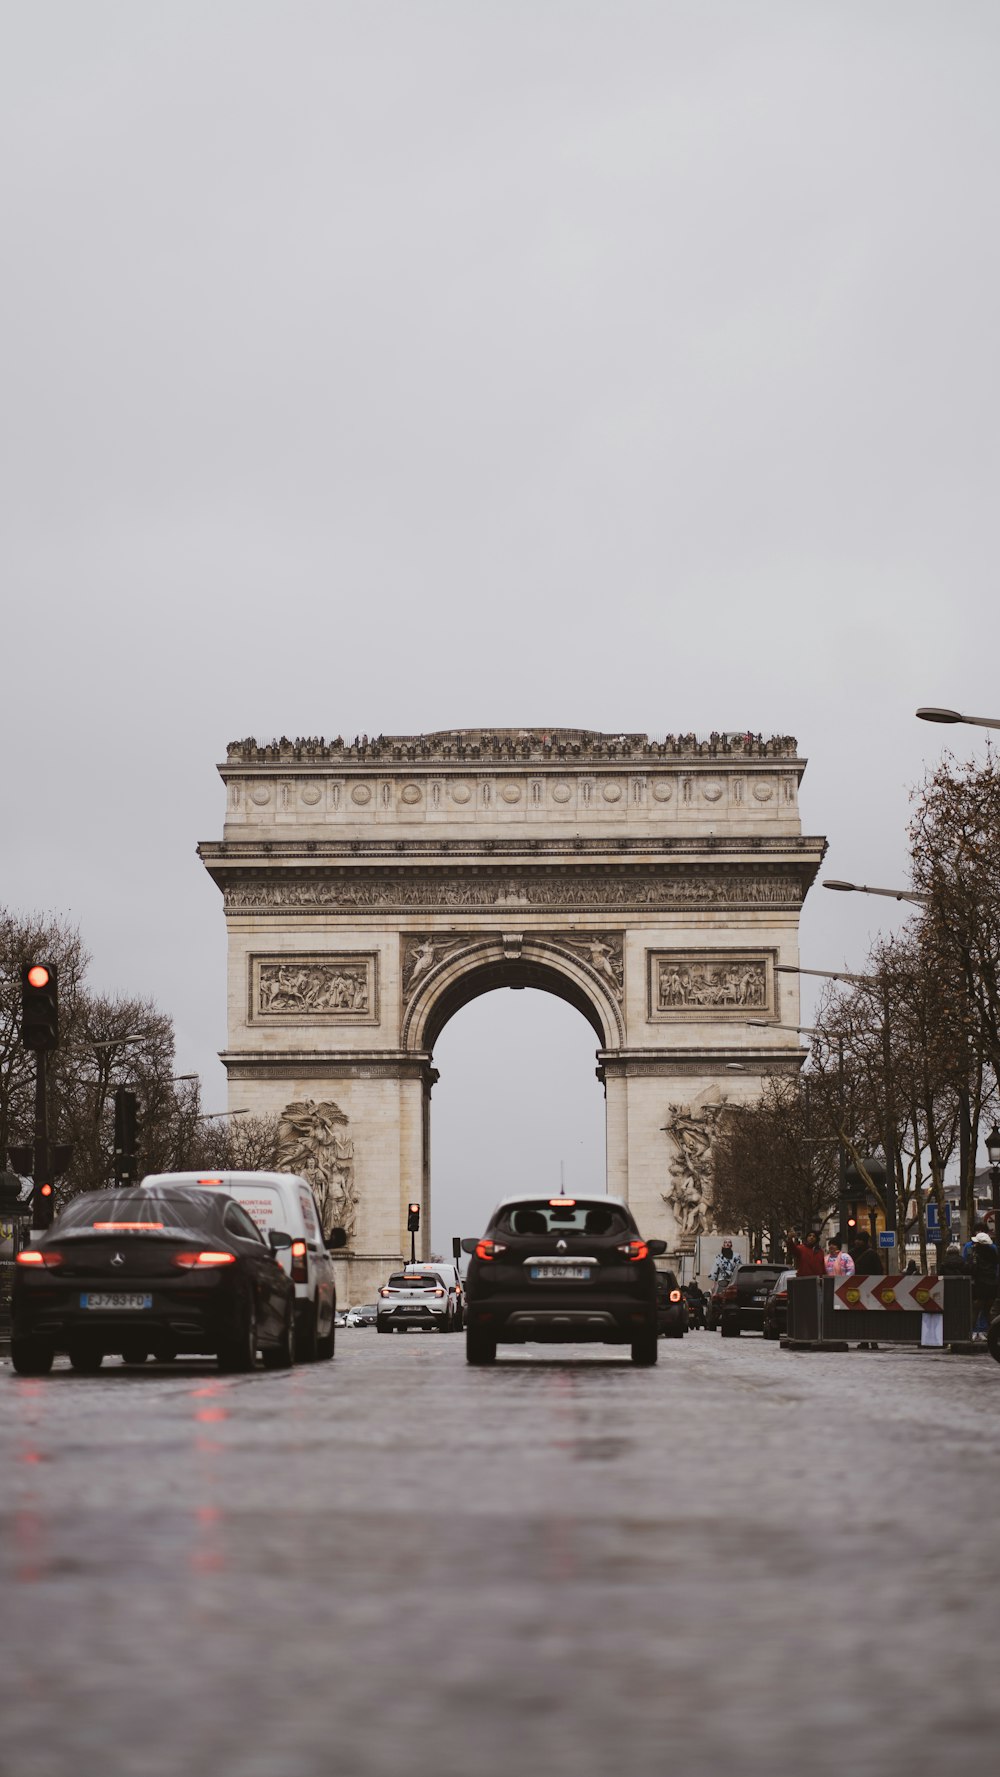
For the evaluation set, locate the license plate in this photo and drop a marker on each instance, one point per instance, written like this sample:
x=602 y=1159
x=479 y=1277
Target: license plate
x=567 y=1273
x=758 y=1298
x=114 y=1299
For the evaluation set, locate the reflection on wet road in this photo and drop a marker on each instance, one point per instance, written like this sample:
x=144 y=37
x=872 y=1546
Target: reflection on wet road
x=563 y=1565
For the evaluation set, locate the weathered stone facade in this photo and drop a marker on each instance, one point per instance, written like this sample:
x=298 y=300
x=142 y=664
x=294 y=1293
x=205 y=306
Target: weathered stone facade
x=372 y=889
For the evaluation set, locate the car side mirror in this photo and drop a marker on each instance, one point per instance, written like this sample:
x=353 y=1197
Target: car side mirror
x=470 y=1243
x=278 y=1240
x=336 y=1238
x=656 y=1248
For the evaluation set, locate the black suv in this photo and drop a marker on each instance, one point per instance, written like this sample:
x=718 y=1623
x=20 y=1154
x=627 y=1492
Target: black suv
x=561 y=1269
x=741 y=1307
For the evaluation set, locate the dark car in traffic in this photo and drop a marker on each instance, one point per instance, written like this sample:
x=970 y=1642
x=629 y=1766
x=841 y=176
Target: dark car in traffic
x=741 y=1305
x=776 y=1307
x=561 y=1269
x=152 y=1271
x=672 y=1317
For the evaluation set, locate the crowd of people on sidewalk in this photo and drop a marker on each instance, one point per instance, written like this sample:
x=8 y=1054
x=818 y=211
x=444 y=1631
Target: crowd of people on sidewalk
x=978 y=1259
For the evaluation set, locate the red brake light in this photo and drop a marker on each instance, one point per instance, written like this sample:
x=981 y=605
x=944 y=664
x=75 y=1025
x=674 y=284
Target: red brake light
x=562 y=1202
x=32 y=1255
x=300 y=1267
x=209 y=1181
x=193 y=1261
x=675 y=1295
x=298 y=1249
x=440 y=1292
x=635 y=1250
x=730 y=1294
x=488 y=1249
x=103 y=1227
x=384 y=1291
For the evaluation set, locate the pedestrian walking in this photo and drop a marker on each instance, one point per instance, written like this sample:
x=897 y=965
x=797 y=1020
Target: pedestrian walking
x=866 y=1260
x=984 y=1269
x=952 y=1264
x=806 y=1255
x=725 y=1265
x=838 y=1262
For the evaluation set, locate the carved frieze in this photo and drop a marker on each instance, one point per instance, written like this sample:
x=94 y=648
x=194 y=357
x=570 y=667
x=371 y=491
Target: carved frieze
x=314 y=988
x=687 y=985
x=312 y=1142
x=563 y=891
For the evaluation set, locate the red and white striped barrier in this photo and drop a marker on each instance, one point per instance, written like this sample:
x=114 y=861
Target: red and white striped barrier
x=921 y=1295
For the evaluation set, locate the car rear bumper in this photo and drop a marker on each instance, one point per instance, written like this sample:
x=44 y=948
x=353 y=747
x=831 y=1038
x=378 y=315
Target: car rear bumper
x=193 y=1322
x=517 y=1320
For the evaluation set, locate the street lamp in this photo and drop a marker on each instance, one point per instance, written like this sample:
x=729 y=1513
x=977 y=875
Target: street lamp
x=865 y=888
x=928 y=713
x=993 y=1150
x=209 y=1116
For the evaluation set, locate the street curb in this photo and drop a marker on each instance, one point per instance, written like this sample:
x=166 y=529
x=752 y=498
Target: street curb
x=814 y=1345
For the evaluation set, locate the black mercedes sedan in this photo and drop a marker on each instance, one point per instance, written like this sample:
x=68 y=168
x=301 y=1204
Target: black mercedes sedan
x=159 y=1271
x=561 y=1269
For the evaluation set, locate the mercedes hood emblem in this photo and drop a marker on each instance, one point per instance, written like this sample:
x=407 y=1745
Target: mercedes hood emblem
x=118 y=1258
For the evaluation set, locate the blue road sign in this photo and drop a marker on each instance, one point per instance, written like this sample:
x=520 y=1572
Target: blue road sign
x=886 y=1237
x=933 y=1219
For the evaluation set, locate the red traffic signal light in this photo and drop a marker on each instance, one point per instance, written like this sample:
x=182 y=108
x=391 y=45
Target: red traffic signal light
x=39 y=1005
x=412 y=1217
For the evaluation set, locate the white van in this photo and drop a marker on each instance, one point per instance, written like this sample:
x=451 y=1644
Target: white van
x=282 y=1201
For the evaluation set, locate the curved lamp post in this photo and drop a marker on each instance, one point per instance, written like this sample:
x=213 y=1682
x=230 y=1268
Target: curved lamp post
x=930 y=713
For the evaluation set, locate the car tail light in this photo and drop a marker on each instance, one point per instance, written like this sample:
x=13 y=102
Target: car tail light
x=440 y=1292
x=209 y=1181
x=201 y=1261
x=730 y=1294
x=300 y=1265
x=675 y=1295
x=635 y=1250
x=562 y=1202
x=32 y=1256
x=489 y=1249
x=121 y=1227
x=384 y=1291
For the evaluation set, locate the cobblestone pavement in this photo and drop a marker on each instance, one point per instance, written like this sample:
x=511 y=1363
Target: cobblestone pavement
x=743 y=1561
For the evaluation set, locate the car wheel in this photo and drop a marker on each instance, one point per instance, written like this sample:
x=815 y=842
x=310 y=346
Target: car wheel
x=31 y=1357
x=730 y=1326
x=306 y=1344
x=282 y=1355
x=770 y=1332
x=445 y=1326
x=85 y=1359
x=645 y=1349
x=165 y=1354
x=325 y=1347
x=478 y=1348
x=239 y=1353
x=135 y=1354
x=384 y=1326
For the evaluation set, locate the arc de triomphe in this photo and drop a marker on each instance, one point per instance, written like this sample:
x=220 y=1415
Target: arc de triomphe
x=373 y=889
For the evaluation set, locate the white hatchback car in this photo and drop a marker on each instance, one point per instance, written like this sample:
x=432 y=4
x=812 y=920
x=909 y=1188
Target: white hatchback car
x=283 y=1201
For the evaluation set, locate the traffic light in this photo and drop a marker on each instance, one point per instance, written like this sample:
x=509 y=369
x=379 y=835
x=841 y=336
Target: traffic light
x=852 y=1220
x=43 y=1204
x=126 y=1136
x=412 y=1218
x=39 y=1006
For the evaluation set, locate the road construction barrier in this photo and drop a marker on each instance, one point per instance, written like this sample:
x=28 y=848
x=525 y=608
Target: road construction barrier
x=831 y=1312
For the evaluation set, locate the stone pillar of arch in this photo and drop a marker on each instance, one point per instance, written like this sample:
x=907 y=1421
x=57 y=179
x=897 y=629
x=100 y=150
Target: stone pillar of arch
x=371 y=890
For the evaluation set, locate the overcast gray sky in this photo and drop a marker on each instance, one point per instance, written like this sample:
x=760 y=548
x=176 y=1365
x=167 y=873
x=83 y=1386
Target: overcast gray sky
x=399 y=366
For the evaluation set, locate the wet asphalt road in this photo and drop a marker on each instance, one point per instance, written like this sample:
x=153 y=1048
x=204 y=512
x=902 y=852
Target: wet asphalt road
x=745 y=1560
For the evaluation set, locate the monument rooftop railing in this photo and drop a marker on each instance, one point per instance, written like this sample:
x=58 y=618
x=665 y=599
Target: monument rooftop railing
x=498 y=746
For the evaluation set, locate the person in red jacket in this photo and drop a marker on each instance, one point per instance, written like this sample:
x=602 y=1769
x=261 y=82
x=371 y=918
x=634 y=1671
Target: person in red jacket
x=807 y=1255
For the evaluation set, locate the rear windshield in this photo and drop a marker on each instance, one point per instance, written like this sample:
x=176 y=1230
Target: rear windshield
x=410 y=1282
x=563 y=1215
x=148 y=1207
x=763 y=1273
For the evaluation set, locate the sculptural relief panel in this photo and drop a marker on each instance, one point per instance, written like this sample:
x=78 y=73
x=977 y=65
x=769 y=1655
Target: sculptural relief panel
x=694 y=985
x=313 y=1143
x=317 y=988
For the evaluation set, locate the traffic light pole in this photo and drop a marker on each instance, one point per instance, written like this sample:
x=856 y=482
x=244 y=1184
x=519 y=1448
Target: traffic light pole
x=41 y=1169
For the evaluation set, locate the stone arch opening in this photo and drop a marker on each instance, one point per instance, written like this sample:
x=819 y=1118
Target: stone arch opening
x=463 y=974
